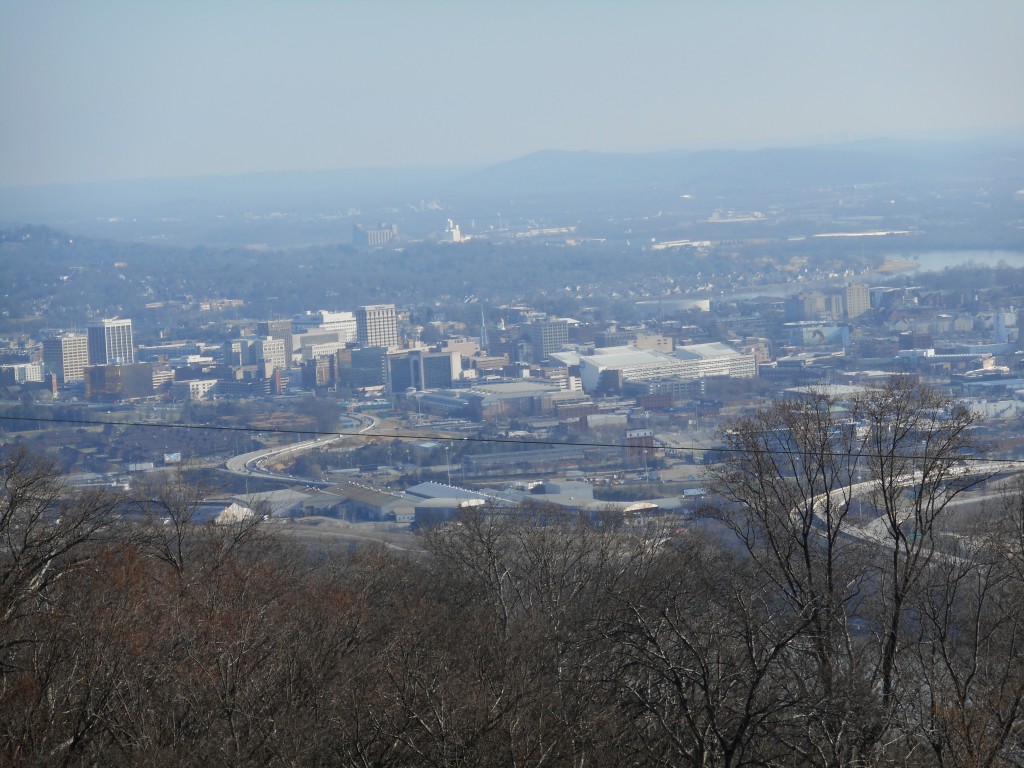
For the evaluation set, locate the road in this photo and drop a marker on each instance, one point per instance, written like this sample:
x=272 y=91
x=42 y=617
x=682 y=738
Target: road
x=876 y=531
x=251 y=464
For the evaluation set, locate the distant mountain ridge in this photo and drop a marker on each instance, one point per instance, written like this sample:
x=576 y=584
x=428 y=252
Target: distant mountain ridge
x=855 y=163
x=572 y=178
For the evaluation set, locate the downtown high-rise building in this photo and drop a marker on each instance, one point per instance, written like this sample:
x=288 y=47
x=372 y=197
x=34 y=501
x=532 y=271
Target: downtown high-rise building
x=377 y=326
x=66 y=356
x=111 y=343
x=547 y=336
x=858 y=300
x=278 y=329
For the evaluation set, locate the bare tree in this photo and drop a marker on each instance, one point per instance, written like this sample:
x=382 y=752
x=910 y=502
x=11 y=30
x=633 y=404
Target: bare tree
x=791 y=476
x=965 y=662
x=539 y=584
x=170 y=507
x=45 y=530
x=916 y=441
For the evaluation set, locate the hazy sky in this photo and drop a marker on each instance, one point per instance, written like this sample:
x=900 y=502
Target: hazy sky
x=136 y=89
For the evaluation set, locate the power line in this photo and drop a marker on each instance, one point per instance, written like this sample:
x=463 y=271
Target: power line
x=315 y=432
x=467 y=439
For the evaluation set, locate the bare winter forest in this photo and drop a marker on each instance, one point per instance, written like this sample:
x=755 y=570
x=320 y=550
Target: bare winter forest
x=784 y=632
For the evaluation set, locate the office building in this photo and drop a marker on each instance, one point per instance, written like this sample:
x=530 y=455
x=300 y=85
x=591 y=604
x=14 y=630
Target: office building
x=66 y=356
x=110 y=343
x=238 y=352
x=21 y=373
x=547 y=336
x=108 y=383
x=278 y=329
x=377 y=326
x=421 y=369
x=366 y=368
x=271 y=352
x=255 y=350
x=324 y=321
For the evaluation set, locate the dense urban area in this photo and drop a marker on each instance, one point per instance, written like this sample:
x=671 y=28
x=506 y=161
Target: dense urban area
x=719 y=466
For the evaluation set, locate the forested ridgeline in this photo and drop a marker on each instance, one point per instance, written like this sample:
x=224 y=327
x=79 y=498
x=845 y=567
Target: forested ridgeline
x=131 y=635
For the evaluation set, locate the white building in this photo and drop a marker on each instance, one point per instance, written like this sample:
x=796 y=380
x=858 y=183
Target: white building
x=271 y=351
x=192 y=389
x=66 y=356
x=19 y=373
x=111 y=343
x=377 y=326
x=452 y=233
x=695 y=361
x=313 y=351
x=325 y=320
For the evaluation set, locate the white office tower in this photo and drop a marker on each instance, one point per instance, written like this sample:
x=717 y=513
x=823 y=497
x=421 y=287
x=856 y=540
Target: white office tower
x=326 y=321
x=66 y=356
x=110 y=343
x=377 y=326
x=271 y=351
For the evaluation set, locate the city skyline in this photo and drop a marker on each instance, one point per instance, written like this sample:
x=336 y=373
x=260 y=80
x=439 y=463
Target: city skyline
x=105 y=91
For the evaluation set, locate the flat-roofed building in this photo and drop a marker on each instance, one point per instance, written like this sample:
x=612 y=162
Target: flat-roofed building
x=423 y=369
x=520 y=398
x=279 y=329
x=193 y=389
x=271 y=351
x=858 y=300
x=111 y=342
x=616 y=366
x=119 y=382
x=21 y=373
x=325 y=320
x=547 y=336
x=377 y=326
x=66 y=356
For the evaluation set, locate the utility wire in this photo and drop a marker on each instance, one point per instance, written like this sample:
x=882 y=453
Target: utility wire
x=465 y=439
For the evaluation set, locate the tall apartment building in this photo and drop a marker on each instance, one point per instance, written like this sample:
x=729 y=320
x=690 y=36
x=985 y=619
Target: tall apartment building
x=858 y=300
x=110 y=342
x=377 y=326
x=66 y=356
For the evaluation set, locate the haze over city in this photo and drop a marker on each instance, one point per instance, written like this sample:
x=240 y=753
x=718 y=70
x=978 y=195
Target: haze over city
x=539 y=384
x=111 y=90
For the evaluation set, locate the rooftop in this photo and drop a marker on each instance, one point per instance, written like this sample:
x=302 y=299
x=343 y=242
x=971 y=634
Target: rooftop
x=706 y=351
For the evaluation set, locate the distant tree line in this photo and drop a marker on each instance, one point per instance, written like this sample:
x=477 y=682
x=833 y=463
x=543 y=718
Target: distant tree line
x=132 y=634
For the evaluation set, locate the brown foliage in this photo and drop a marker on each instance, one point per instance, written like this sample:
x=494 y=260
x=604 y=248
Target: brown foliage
x=525 y=637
